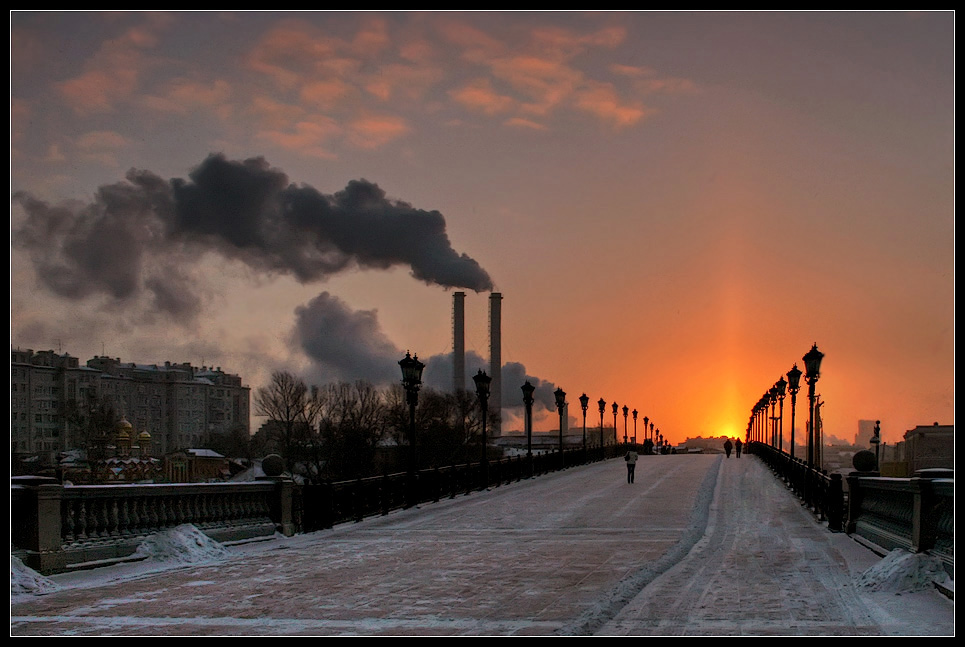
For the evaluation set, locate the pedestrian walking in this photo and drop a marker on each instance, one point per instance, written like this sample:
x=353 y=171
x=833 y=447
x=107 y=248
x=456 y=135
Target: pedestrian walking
x=737 y=447
x=631 y=459
x=727 y=447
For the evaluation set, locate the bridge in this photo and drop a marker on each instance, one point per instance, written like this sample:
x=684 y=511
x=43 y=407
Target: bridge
x=697 y=545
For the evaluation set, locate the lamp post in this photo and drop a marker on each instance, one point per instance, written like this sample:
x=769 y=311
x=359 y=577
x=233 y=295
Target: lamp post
x=482 y=391
x=584 y=403
x=528 y=401
x=634 y=426
x=793 y=386
x=602 y=404
x=561 y=407
x=626 y=412
x=812 y=366
x=646 y=423
x=411 y=381
x=616 y=408
x=772 y=399
x=781 y=386
x=876 y=441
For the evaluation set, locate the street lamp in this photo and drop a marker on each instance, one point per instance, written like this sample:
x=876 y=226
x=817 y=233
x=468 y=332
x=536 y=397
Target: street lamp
x=561 y=407
x=646 y=422
x=772 y=399
x=781 y=386
x=411 y=380
x=634 y=426
x=876 y=441
x=626 y=412
x=812 y=366
x=584 y=403
x=651 y=432
x=528 y=401
x=616 y=408
x=793 y=386
x=482 y=391
x=602 y=404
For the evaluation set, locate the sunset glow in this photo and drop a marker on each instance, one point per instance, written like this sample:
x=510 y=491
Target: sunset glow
x=674 y=206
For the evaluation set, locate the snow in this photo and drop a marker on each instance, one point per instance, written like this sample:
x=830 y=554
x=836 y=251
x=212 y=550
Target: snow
x=901 y=571
x=474 y=565
x=162 y=551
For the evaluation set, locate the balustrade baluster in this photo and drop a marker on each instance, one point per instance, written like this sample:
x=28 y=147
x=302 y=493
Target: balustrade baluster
x=82 y=525
x=69 y=524
x=112 y=517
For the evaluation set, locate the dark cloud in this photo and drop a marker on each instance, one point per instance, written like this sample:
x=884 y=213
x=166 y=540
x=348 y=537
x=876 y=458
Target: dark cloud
x=120 y=245
x=345 y=344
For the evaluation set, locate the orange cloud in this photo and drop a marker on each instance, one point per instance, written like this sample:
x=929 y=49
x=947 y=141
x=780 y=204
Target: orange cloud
x=373 y=132
x=309 y=138
x=325 y=93
x=481 y=97
x=601 y=100
x=113 y=73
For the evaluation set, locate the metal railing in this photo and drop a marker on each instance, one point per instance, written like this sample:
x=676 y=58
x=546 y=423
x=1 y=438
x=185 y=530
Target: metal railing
x=56 y=528
x=916 y=514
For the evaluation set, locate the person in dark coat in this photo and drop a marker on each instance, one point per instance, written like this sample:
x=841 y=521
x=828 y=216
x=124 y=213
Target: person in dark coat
x=727 y=447
x=737 y=447
x=631 y=459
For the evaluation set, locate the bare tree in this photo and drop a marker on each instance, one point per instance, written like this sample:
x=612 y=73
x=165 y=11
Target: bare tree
x=293 y=410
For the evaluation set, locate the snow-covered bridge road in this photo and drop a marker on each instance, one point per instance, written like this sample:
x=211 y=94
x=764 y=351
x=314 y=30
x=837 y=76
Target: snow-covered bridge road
x=698 y=545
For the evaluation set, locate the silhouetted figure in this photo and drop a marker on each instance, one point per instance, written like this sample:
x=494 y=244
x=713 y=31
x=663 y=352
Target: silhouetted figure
x=631 y=459
x=737 y=447
x=727 y=447
x=647 y=447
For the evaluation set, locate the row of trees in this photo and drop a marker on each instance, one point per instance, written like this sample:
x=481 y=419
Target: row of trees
x=347 y=430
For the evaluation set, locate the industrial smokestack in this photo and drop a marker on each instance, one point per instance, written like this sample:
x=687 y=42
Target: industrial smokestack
x=458 y=342
x=496 y=359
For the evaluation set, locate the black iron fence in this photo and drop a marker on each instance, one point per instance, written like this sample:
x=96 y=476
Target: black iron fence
x=916 y=514
x=56 y=528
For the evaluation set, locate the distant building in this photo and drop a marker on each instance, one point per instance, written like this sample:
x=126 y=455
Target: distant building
x=176 y=404
x=928 y=447
x=196 y=466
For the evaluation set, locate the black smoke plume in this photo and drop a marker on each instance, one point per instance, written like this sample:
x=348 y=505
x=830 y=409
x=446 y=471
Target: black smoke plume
x=127 y=241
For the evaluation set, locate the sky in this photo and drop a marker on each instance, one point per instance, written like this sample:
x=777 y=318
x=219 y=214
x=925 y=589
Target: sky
x=674 y=206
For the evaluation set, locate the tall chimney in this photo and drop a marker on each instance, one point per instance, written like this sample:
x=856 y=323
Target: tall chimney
x=496 y=359
x=458 y=342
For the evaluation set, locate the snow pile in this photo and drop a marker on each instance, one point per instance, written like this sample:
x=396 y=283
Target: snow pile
x=184 y=544
x=26 y=581
x=901 y=571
